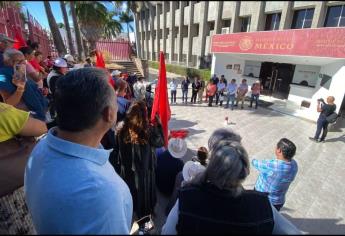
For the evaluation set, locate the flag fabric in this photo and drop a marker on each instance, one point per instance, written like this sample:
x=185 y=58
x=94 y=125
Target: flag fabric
x=99 y=60
x=160 y=102
x=19 y=38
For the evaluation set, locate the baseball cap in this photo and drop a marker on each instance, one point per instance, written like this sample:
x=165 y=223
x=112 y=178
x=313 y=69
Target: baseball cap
x=4 y=37
x=177 y=147
x=69 y=58
x=60 y=62
x=115 y=73
x=191 y=169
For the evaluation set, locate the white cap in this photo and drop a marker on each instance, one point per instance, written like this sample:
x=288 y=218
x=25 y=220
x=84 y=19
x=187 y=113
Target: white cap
x=191 y=169
x=115 y=73
x=69 y=58
x=59 y=62
x=177 y=147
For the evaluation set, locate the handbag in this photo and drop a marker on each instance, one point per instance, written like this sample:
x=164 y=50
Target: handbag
x=332 y=118
x=13 y=158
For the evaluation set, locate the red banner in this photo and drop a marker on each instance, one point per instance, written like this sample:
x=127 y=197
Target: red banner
x=320 y=42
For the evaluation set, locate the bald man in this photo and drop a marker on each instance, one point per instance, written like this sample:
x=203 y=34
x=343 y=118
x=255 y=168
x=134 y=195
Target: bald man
x=326 y=109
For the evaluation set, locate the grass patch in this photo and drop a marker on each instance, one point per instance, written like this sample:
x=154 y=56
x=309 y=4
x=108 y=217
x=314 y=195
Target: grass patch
x=204 y=74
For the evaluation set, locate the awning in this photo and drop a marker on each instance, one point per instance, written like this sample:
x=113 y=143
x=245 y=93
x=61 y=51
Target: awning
x=320 y=42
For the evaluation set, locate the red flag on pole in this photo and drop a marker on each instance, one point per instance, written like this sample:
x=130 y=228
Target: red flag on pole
x=99 y=60
x=19 y=38
x=160 y=102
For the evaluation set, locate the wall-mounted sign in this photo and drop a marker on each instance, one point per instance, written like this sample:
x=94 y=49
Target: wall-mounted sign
x=321 y=42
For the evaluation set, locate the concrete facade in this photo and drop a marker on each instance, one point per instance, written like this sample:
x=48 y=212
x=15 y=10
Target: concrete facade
x=187 y=26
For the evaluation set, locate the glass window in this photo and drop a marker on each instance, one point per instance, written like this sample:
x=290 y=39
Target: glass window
x=245 y=24
x=335 y=16
x=272 y=21
x=302 y=18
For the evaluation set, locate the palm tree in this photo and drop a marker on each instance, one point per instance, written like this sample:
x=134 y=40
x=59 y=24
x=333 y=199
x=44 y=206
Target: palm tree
x=112 y=27
x=94 y=20
x=67 y=28
x=76 y=30
x=127 y=19
x=54 y=30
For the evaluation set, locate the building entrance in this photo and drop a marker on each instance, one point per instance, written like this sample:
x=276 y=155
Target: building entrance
x=276 y=78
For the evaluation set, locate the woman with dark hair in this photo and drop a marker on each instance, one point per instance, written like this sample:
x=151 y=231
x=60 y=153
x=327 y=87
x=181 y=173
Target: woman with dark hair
x=31 y=72
x=135 y=158
x=223 y=206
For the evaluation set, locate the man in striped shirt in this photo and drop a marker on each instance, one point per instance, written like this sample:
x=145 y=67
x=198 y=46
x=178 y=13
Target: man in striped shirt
x=277 y=174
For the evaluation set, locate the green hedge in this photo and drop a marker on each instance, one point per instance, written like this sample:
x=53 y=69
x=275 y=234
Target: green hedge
x=204 y=74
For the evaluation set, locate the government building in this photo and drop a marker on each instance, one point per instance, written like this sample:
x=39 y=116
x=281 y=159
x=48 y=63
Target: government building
x=295 y=48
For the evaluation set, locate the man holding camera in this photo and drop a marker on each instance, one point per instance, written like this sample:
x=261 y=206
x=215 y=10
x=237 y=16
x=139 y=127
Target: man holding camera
x=326 y=110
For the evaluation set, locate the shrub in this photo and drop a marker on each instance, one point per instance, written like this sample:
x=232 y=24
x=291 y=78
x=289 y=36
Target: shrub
x=204 y=74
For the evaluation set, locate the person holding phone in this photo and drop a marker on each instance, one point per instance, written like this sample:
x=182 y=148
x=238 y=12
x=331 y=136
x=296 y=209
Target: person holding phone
x=17 y=90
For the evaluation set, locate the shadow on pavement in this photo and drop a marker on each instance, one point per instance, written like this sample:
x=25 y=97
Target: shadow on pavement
x=315 y=226
x=180 y=124
x=339 y=139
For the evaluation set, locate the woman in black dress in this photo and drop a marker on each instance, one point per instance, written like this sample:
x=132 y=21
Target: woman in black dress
x=135 y=158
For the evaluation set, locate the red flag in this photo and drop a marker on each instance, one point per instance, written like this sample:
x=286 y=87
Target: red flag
x=99 y=60
x=160 y=102
x=19 y=38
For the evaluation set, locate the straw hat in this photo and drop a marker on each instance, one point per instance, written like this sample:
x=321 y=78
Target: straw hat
x=177 y=147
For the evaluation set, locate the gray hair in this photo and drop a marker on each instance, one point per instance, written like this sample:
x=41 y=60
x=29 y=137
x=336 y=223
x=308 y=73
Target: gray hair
x=10 y=53
x=227 y=169
x=223 y=134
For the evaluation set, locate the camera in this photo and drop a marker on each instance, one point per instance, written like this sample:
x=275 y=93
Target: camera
x=320 y=100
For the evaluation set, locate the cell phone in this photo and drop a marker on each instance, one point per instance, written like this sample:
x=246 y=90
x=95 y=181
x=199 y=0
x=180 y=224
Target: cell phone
x=20 y=72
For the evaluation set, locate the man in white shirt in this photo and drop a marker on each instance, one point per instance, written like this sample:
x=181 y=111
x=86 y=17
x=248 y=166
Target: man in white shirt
x=173 y=87
x=241 y=92
x=139 y=89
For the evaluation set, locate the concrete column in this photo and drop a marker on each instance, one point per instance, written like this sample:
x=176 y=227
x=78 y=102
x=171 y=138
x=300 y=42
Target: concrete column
x=202 y=31
x=218 y=23
x=190 y=38
x=158 y=16
x=164 y=25
x=137 y=35
x=235 y=20
x=172 y=29
x=319 y=15
x=152 y=54
x=260 y=21
x=146 y=12
x=286 y=16
x=142 y=34
x=180 y=37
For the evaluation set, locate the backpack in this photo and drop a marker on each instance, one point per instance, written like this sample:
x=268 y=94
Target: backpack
x=332 y=118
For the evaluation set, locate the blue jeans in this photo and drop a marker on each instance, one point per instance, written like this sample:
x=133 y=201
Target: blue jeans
x=184 y=95
x=322 y=125
x=232 y=99
x=256 y=98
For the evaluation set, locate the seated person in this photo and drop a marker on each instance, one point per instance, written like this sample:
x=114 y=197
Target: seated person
x=169 y=164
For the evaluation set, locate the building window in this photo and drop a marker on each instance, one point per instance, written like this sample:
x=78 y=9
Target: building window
x=245 y=24
x=177 y=5
x=272 y=21
x=187 y=3
x=335 y=16
x=302 y=18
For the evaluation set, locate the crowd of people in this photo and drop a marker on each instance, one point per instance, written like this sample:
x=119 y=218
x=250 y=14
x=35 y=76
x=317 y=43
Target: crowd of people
x=216 y=91
x=80 y=154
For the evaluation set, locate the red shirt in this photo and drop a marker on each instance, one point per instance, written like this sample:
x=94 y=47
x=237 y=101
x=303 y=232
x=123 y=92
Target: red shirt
x=35 y=65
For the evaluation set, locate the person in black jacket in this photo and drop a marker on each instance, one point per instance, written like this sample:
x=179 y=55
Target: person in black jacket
x=196 y=85
x=215 y=202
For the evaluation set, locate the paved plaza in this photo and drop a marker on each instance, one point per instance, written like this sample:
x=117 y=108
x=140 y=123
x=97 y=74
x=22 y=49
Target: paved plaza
x=315 y=200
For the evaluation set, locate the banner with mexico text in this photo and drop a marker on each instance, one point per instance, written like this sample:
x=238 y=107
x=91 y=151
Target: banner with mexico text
x=320 y=42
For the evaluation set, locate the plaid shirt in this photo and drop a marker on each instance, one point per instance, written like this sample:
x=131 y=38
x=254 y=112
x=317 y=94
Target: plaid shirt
x=275 y=178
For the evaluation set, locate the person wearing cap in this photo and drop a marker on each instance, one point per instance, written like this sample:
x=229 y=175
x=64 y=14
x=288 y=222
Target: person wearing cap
x=70 y=60
x=60 y=68
x=5 y=43
x=169 y=164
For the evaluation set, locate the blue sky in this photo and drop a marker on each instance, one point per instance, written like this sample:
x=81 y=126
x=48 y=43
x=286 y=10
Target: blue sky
x=36 y=9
